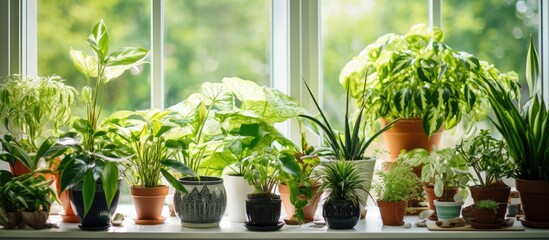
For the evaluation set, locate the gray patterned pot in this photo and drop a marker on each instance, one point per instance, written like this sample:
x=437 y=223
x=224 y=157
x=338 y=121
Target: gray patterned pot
x=204 y=203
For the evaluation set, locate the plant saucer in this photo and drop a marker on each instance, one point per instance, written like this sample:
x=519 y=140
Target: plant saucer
x=533 y=224
x=94 y=228
x=149 y=221
x=495 y=225
x=264 y=228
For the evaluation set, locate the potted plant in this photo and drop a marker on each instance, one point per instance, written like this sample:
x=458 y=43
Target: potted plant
x=484 y=211
x=395 y=187
x=263 y=207
x=298 y=188
x=351 y=144
x=343 y=182
x=143 y=135
x=29 y=195
x=91 y=172
x=490 y=161
x=30 y=107
x=444 y=173
x=419 y=79
x=524 y=130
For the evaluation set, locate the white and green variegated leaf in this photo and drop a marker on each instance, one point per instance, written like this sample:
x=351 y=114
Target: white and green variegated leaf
x=532 y=69
x=422 y=98
x=87 y=65
x=402 y=99
x=432 y=121
x=469 y=97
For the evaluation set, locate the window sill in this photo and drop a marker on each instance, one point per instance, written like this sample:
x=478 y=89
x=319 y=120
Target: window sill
x=371 y=227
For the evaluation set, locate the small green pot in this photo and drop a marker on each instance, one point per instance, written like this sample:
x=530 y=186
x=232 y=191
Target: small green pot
x=447 y=211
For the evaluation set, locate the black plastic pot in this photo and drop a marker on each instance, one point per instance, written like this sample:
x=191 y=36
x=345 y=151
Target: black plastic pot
x=99 y=216
x=263 y=210
x=341 y=213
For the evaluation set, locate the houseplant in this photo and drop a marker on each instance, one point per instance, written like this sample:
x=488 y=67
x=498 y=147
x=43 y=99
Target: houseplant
x=419 y=79
x=91 y=172
x=523 y=127
x=350 y=145
x=143 y=135
x=444 y=173
x=33 y=109
x=484 y=211
x=29 y=195
x=490 y=161
x=395 y=187
x=343 y=181
x=262 y=170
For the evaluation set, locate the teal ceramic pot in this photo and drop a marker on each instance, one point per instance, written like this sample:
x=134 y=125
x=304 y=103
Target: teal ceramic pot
x=447 y=211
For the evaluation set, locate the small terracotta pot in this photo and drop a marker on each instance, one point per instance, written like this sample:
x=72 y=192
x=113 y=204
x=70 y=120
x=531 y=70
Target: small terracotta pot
x=309 y=210
x=392 y=213
x=534 y=195
x=408 y=134
x=149 y=202
x=19 y=168
x=36 y=220
x=68 y=215
x=430 y=195
x=483 y=215
x=499 y=194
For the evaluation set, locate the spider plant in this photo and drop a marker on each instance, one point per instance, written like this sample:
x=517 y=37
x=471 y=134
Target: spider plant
x=344 y=181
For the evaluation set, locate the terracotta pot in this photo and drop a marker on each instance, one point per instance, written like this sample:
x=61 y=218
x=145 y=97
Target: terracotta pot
x=534 y=196
x=36 y=220
x=149 y=203
x=308 y=211
x=483 y=215
x=408 y=134
x=67 y=215
x=392 y=213
x=430 y=195
x=499 y=194
x=19 y=168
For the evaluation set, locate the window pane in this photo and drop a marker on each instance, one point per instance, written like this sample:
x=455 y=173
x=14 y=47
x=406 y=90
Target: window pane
x=350 y=25
x=207 y=40
x=66 y=24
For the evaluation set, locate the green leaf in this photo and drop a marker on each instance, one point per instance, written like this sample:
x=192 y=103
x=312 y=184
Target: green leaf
x=83 y=126
x=422 y=98
x=289 y=164
x=173 y=181
x=214 y=164
x=99 y=39
x=470 y=97
x=87 y=65
x=178 y=167
x=110 y=181
x=127 y=56
x=73 y=170
x=88 y=191
x=532 y=69
x=431 y=121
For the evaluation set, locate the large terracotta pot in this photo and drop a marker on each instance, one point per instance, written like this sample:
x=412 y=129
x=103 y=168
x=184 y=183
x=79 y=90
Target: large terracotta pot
x=309 y=210
x=392 y=213
x=534 y=196
x=149 y=203
x=499 y=194
x=67 y=215
x=430 y=195
x=483 y=215
x=408 y=134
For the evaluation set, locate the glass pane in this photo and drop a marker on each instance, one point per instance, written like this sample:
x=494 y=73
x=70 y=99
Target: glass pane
x=66 y=24
x=210 y=39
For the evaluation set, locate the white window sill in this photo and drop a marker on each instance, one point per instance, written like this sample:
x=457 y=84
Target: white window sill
x=371 y=227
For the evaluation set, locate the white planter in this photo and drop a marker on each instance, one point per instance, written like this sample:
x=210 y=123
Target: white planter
x=367 y=166
x=237 y=192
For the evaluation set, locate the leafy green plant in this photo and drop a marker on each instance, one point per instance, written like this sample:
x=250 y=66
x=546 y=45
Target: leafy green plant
x=30 y=106
x=262 y=169
x=352 y=144
x=29 y=192
x=12 y=150
x=144 y=136
x=442 y=168
x=485 y=154
x=397 y=184
x=343 y=180
x=94 y=157
x=524 y=128
x=417 y=75
x=487 y=204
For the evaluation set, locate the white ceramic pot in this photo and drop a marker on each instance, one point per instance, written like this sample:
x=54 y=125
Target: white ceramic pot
x=237 y=192
x=367 y=166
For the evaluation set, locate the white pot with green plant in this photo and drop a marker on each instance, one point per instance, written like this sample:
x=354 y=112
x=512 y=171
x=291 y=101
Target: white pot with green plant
x=395 y=188
x=490 y=161
x=91 y=172
x=445 y=173
x=417 y=77
x=32 y=109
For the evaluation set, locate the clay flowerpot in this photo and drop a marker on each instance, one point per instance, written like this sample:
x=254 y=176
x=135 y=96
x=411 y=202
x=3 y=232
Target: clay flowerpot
x=204 y=203
x=392 y=213
x=149 y=203
x=263 y=210
x=430 y=195
x=534 y=196
x=36 y=220
x=408 y=134
x=309 y=210
x=341 y=213
x=19 y=168
x=100 y=214
x=483 y=215
x=499 y=194
x=237 y=189
x=67 y=215
x=447 y=211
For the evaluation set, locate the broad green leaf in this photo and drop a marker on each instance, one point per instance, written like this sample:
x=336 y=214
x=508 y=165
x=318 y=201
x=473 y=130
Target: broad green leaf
x=290 y=165
x=178 y=167
x=100 y=39
x=110 y=181
x=88 y=191
x=215 y=164
x=87 y=65
x=173 y=181
x=127 y=56
x=422 y=98
x=72 y=170
x=431 y=121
